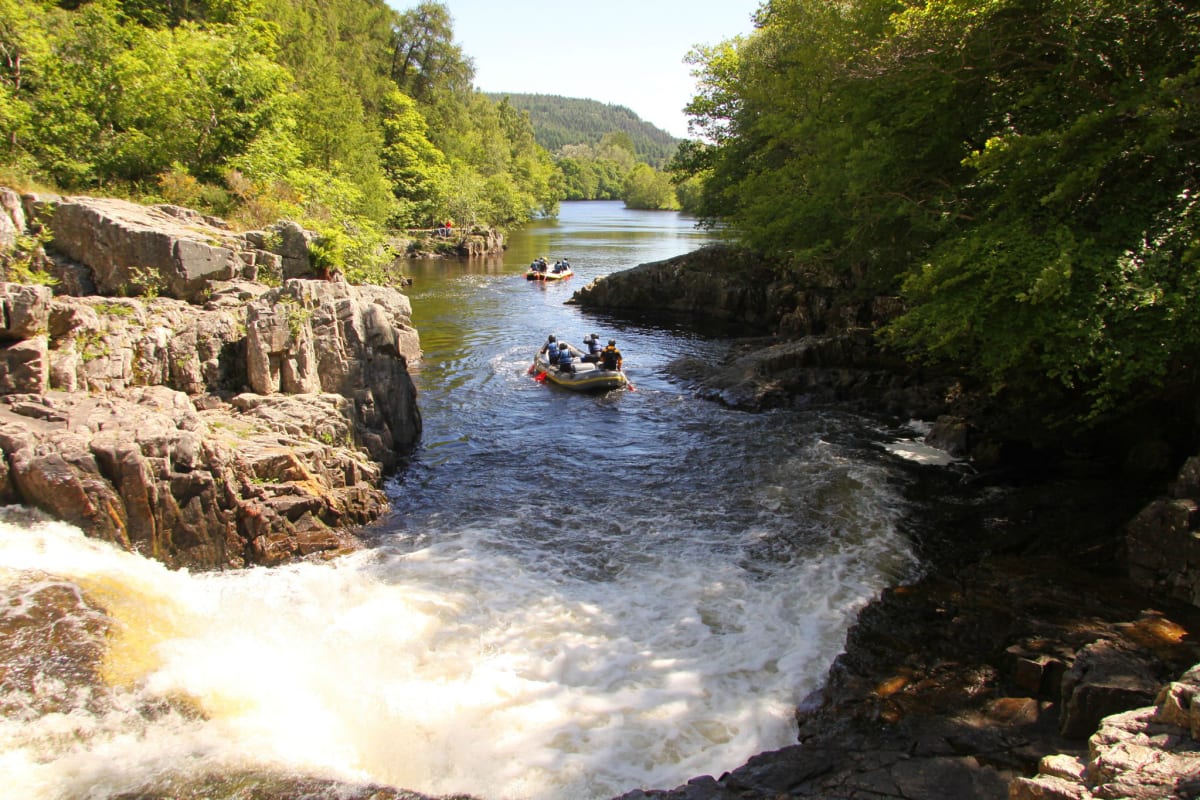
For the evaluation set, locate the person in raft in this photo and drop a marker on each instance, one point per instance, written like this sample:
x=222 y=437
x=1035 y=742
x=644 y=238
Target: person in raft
x=610 y=357
x=550 y=348
x=566 y=359
x=594 y=349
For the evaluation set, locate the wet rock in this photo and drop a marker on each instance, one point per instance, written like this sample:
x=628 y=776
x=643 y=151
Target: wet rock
x=1105 y=679
x=946 y=688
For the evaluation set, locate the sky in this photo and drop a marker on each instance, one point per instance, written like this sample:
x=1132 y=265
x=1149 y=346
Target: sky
x=625 y=52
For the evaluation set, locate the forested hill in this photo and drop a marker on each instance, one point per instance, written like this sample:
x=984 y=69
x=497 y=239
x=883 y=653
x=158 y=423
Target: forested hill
x=559 y=121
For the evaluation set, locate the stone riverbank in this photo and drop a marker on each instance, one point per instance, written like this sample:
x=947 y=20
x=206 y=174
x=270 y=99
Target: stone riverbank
x=199 y=396
x=1049 y=650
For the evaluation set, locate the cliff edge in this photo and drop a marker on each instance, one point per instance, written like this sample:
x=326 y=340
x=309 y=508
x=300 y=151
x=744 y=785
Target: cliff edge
x=202 y=397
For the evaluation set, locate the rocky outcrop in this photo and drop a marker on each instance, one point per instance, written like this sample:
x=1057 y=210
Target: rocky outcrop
x=821 y=346
x=1151 y=752
x=230 y=423
x=1164 y=539
x=117 y=248
x=847 y=368
x=957 y=687
x=729 y=285
x=473 y=242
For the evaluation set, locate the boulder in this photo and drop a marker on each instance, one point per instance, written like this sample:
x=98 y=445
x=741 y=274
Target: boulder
x=255 y=482
x=129 y=246
x=1106 y=678
x=1163 y=541
x=25 y=366
x=1150 y=752
x=226 y=424
x=25 y=309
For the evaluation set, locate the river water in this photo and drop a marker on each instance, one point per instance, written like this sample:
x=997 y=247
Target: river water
x=573 y=596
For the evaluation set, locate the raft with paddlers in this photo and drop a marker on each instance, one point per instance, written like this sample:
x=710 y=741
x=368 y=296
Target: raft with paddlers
x=565 y=365
x=542 y=270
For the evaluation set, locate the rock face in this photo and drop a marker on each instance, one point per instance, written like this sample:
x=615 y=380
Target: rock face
x=821 y=348
x=1164 y=539
x=1148 y=752
x=228 y=423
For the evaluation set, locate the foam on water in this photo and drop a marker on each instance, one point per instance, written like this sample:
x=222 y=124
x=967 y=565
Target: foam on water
x=449 y=668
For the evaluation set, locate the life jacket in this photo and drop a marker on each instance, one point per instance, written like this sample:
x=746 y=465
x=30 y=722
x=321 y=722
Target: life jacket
x=565 y=357
x=552 y=353
x=594 y=346
x=610 y=357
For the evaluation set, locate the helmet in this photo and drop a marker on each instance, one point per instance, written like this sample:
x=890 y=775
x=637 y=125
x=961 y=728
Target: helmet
x=612 y=342
x=595 y=338
x=552 y=338
x=562 y=345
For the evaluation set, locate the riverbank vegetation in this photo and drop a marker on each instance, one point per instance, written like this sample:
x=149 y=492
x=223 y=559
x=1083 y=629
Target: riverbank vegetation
x=1024 y=174
x=347 y=116
x=560 y=122
x=605 y=152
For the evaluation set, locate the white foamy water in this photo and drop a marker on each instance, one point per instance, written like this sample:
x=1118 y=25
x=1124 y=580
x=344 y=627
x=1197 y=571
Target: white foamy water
x=445 y=669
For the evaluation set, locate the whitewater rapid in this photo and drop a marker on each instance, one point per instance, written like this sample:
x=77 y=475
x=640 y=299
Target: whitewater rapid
x=441 y=669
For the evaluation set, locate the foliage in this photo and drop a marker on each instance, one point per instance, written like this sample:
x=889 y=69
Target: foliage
x=25 y=262
x=564 y=121
x=425 y=60
x=597 y=172
x=1024 y=172
x=347 y=116
x=646 y=189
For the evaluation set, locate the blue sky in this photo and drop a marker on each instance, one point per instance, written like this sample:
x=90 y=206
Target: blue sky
x=627 y=52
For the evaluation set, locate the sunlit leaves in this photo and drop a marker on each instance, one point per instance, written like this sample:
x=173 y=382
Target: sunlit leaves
x=1016 y=168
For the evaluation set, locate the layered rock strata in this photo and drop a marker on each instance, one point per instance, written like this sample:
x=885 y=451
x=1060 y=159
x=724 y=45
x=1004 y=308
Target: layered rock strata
x=211 y=420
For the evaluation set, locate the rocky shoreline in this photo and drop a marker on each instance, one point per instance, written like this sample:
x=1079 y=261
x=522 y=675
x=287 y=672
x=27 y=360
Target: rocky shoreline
x=1049 y=650
x=242 y=408
x=201 y=397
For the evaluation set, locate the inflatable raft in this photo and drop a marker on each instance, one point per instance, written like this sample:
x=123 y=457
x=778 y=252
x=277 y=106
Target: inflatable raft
x=532 y=274
x=582 y=377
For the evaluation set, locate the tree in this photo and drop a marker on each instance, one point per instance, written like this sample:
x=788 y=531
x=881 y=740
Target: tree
x=418 y=171
x=425 y=59
x=24 y=53
x=1024 y=171
x=647 y=189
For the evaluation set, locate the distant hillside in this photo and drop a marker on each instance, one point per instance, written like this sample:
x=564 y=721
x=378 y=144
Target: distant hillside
x=559 y=121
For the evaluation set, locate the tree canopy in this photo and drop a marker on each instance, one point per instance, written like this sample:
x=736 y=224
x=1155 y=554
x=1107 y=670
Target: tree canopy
x=1023 y=172
x=347 y=115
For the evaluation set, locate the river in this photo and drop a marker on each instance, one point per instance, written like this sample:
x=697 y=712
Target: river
x=573 y=596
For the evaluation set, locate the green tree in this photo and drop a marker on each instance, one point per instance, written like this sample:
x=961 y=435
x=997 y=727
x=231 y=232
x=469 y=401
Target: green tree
x=418 y=171
x=425 y=59
x=648 y=189
x=1024 y=171
x=24 y=54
